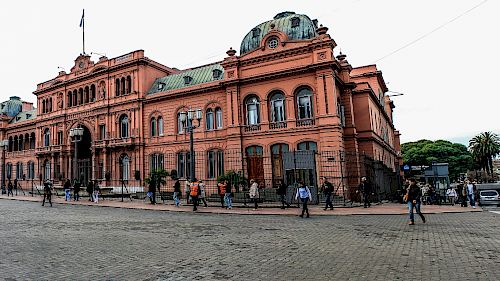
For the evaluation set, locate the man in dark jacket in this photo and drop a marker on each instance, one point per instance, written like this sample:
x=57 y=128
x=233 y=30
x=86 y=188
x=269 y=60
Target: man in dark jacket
x=77 y=186
x=90 y=190
x=9 y=189
x=281 y=191
x=47 y=192
x=414 y=194
x=327 y=188
x=365 y=189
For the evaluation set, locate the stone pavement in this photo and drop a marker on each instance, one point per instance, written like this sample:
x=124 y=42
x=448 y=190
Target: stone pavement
x=387 y=208
x=77 y=242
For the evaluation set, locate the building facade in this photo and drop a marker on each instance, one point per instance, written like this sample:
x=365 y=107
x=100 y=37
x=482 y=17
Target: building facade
x=284 y=109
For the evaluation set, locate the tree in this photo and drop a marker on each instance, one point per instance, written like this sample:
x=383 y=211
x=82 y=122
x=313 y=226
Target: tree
x=484 y=147
x=157 y=177
x=424 y=152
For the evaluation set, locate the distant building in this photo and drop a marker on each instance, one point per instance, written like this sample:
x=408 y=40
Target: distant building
x=285 y=92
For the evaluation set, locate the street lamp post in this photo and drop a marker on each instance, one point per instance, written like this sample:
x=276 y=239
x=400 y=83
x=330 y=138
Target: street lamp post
x=4 y=144
x=76 y=136
x=187 y=119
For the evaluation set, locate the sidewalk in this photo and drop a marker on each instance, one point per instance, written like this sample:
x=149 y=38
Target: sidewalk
x=315 y=210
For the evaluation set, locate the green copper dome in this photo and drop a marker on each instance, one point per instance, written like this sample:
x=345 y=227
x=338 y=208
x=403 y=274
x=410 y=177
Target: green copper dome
x=11 y=107
x=295 y=26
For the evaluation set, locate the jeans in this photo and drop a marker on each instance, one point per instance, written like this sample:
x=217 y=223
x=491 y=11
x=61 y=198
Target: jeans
x=304 y=206
x=412 y=205
x=229 y=200
x=177 y=201
x=471 y=200
x=329 y=201
x=67 y=192
x=96 y=196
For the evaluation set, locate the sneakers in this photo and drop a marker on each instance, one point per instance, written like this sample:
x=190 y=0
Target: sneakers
x=473 y=207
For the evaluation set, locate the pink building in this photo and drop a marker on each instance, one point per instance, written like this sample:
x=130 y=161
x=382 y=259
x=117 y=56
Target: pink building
x=284 y=109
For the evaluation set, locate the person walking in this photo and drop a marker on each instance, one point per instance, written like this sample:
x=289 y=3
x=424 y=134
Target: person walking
x=96 y=192
x=470 y=193
x=90 y=190
x=202 y=193
x=451 y=194
x=47 y=192
x=177 y=192
x=365 y=189
x=228 y=195
x=15 y=185
x=152 y=191
x=304 y=193
x=67 y=190
x=254 y=193
x=221 y=189
x=9 y=189
x=414 y=196
x=187 y=190
x=462 y=193
x=281 y=191
x=327 y=188
x=77 y=186
x=194 y=192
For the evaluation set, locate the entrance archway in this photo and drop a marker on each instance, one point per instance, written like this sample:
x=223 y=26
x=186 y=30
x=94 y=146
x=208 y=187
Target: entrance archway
x=84 y=157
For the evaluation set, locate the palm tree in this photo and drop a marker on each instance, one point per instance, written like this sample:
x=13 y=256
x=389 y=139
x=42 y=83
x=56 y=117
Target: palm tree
x=484 y=148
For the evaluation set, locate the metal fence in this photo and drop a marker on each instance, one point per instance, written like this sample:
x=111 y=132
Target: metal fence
x=268 y=168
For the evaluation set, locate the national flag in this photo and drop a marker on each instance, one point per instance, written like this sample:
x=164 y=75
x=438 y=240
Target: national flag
x=82 y=20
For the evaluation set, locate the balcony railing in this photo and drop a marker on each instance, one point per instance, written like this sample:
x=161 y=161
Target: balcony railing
x=252 y=128
x=305 y=122
x=277 y=125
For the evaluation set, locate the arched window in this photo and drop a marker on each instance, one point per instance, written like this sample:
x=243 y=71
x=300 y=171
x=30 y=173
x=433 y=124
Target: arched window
x=307 y=145
x=254 y=150
x=304 y=103
x=180 y=125
x=86 y=95
x=70 y=100
x=160 y=126
x=26 y=141
x=46 y=137
x=80 y=96
x=123 y=126
x=75 y=98
x=129 y=84
x=152 y=127
x=218 y=118
x=32 y=141
x=209 y=119
x=124 y=167
x=92 y=93
x=43 y=106
x=277 y=107
x=16 y=143
x=123 y=86
x=11 y=144
x=31 y=170
x=19 y=170
x=21 y=143
x=253 y=110
x=117 y=87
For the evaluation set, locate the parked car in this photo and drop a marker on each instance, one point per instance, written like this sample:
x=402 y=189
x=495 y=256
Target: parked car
x=489 y=197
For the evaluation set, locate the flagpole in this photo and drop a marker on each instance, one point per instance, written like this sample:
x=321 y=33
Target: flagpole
x=83 y=30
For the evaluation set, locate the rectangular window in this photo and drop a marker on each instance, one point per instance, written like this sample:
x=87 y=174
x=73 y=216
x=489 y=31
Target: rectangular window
x=218 y=117
x=59 y=138
x=220 y=162
x=102 y=132
x=211 y=165
x=100 y=169
x=305 y=107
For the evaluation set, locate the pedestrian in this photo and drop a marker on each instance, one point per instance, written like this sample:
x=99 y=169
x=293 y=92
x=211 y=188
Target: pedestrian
x=365 y=189
x=202 y=193
x=327 y=188
x=470 y=193
x=152 y=191
x=47 y=192
x=228 y=195
x=187 y=191
x=177 y=192
x=254 y=193
x=281 y=191
x=67 y=190
x=194 y=192
x=77 y=186
x=451 y=194
x=9 y=189
x=221 y=189
x=414 y=196
x=304 y=193
x=96 y=192
x=90 y=190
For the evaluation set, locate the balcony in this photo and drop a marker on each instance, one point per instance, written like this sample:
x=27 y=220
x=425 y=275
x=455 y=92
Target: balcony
x=252 y=128
x=277 y=125
x=305 y=122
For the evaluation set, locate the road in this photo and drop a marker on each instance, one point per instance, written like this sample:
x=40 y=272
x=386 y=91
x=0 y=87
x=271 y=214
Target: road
x=68 y=242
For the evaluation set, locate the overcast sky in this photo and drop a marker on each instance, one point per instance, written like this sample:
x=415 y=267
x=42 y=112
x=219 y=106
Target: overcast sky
x=448 y=77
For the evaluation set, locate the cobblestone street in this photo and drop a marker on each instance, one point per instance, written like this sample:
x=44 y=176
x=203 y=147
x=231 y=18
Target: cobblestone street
x=71 y=242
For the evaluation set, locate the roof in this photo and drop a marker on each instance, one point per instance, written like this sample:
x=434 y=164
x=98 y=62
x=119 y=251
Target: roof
x=305 y=30
x=199 y=75
x=23 y=116
x=11 y=107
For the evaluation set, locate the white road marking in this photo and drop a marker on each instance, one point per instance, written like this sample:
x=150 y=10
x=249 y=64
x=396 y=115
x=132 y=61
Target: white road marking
x=496 y=212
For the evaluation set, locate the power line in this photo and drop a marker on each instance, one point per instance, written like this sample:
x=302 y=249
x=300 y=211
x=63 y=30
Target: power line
x=432 y=31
